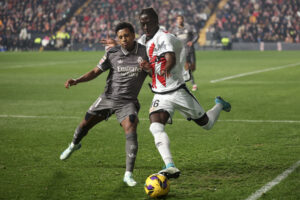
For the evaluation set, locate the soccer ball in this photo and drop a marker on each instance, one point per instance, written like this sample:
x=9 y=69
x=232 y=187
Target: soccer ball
x=157 y=185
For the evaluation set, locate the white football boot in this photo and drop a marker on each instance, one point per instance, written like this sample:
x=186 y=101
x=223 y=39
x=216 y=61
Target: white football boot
x=170 y=171
x=128 y=179
x=67 y=153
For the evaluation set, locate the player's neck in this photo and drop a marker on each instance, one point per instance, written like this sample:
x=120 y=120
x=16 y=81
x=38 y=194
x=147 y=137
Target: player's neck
x=150 y=37
x=131 y=48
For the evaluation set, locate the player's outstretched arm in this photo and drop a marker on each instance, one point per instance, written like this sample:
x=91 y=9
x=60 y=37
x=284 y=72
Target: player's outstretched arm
x=108 y=43
x=84 y=78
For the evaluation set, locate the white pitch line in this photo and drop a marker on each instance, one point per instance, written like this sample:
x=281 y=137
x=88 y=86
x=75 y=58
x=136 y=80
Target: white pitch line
x=254 y=72
x=145 y=119
x=260 y=121
x=43 y=64
x=38 y=117
x=274 y=182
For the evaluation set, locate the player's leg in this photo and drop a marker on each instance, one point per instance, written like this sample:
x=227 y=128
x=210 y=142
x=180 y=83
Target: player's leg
x=162 y=142
x=160 y=113
x=127 y=116
x=129 y=125
x=208 y=120
x=192 y=67
x=190 y=108
x=86 y=124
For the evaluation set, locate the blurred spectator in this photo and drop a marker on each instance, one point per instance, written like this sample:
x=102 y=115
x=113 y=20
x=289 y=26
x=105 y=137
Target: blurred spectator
x=88 y=22
x=260 y=20
x=24 y=38
x=38 y=17
x=91 y=22
x=98 y=19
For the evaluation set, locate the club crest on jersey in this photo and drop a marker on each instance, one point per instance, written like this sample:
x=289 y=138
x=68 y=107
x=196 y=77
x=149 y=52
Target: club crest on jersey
x=120 y=61
x=139 y=59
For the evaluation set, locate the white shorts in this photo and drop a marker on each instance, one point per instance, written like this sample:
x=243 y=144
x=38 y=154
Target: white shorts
x=186 y=75
x=181 y=100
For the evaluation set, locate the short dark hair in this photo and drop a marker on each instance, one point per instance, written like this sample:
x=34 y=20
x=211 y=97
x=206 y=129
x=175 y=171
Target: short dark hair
x=181 y=16
x=123 y=25
x=151 y=12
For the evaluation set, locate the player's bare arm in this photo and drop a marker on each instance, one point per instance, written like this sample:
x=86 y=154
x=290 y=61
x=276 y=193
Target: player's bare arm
x=84 y=78
x=170 y=63
x=190 y=43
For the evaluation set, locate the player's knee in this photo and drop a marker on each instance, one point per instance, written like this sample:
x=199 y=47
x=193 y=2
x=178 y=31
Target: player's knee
x=208 y=126
x=203 y=121
x=132 y=118
x=156 y=128
x=160 y=136
x=85 y=123
x=130 y=124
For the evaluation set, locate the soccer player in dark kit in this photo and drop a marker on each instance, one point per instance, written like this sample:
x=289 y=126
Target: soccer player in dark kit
x=188 y=35
x=123 y=85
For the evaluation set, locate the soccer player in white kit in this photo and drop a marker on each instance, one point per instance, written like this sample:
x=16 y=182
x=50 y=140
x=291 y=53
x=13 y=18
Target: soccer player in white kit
x=166 y=61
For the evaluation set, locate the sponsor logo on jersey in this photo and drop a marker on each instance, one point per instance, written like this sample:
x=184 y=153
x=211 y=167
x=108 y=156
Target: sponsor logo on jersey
x=129 y=70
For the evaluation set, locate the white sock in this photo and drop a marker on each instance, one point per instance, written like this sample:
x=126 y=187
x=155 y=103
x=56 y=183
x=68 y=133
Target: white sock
x=213 y=115
x=162 y=142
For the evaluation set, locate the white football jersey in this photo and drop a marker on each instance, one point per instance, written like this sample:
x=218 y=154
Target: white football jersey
x=161 y=43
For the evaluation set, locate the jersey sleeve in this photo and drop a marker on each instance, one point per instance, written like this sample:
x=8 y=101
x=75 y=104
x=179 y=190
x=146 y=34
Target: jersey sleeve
x=194 y=34
x=104 y=63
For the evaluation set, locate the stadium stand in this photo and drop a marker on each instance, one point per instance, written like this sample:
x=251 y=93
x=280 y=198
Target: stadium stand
x=259 y=20
x=85 y=21
x=24 y=21
x=98 y=18
x=63 y=24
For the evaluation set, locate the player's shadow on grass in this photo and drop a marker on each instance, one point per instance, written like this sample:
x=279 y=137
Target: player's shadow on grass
x=52 y=189
x=123 y=191
x=122 y=166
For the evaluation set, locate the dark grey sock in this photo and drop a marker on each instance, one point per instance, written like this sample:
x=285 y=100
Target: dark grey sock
x=192 y=79
x=131 y=150
x=79 y=134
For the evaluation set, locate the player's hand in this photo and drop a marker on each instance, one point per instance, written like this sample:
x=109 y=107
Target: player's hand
x=108 y=43
x=70 y=82
x=145 y=66
x=187 y=66
x=164 y=73
x=189 y=43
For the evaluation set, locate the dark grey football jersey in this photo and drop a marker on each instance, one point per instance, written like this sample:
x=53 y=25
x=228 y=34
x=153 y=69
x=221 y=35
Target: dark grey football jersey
x=185 y=34
x=125 y=77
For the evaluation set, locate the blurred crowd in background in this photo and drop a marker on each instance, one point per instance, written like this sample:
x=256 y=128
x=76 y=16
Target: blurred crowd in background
x=56 y=24
x=260 y=20
x=98 y=19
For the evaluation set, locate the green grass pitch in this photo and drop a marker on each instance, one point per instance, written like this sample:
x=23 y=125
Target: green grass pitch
x=247 y=148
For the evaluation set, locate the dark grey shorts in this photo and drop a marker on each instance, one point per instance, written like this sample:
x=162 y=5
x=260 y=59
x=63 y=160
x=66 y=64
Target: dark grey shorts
x=190 y=57
x=106 y=107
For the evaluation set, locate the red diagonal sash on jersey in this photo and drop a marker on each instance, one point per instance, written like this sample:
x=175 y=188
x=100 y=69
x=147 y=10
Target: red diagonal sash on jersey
x=161 y=61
